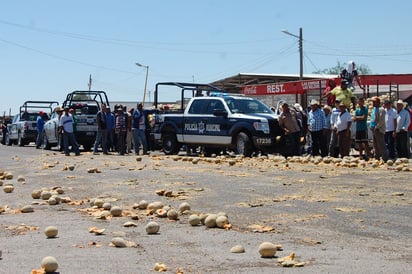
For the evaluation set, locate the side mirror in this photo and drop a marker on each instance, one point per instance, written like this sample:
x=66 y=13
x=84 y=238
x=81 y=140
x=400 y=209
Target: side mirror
x=220 y=112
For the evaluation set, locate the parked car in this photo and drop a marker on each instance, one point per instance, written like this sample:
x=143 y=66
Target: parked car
x=23 y=128
x=50 y=130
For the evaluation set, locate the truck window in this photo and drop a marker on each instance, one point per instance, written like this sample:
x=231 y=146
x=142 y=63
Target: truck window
x=198 y=106
x=213 y=105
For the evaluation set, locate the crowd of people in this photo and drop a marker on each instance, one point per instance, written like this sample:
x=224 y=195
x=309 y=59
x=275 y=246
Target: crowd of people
x=328 y=129
x=123 y=131
x=321 y=130
x=119 y=131
x=324 y=130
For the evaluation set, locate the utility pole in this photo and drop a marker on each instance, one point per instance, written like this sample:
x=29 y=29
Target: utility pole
x=300 y=37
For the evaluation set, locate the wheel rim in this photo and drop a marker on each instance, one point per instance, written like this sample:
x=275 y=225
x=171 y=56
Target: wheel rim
x=240 y=145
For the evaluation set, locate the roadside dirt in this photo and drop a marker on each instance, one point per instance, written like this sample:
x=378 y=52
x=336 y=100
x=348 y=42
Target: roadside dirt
x=336 y=219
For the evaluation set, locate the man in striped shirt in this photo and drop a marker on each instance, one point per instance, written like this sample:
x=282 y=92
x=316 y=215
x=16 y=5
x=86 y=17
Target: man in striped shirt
x=317 y=128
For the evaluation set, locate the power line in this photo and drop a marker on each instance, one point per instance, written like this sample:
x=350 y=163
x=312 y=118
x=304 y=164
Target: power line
x=63 y=58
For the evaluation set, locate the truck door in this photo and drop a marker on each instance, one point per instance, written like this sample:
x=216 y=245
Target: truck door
x=202 y=126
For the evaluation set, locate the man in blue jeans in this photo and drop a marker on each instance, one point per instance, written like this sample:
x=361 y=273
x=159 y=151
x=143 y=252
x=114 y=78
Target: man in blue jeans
x=40 y=126
x=66 y=127
x=101 y=135
x=317 y=128
x=139 y=126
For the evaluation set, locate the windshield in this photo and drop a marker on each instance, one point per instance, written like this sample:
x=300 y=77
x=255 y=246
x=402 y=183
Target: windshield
x=247 y=105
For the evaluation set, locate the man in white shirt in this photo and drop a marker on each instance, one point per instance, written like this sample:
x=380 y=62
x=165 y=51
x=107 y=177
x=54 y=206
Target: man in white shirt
x=402 y=124
x=390 y=123
x=66 y=127
x=343 y=125
x=333 y=144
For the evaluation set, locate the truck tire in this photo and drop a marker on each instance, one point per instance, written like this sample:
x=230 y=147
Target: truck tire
x=46 y=143
x=243 y=144
x=170 y=144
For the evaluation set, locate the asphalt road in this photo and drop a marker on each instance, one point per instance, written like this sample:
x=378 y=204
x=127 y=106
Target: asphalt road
x=335 y=219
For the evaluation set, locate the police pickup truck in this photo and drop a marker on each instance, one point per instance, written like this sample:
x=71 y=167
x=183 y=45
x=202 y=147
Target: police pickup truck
x=85 y=105
x=216 y=121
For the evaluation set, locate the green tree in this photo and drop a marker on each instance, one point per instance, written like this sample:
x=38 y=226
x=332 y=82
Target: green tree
x=362 y=69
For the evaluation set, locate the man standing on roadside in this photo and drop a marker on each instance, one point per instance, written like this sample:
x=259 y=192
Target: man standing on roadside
x=390 y=124
x=66 y=127
x=401 y=134
x=289 y=122
x=40 y=126
x=378 y=127
x=333 y=143
x=111 y=145
x=317 y=128
x=361 y=135
x=140 y=123
x=101 y=135
x=343 y=127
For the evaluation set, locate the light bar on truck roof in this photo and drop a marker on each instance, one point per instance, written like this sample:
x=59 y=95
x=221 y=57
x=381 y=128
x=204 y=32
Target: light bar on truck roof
x=223 y=94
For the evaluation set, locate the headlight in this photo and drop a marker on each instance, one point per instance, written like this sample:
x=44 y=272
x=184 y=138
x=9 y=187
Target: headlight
x=262 y=126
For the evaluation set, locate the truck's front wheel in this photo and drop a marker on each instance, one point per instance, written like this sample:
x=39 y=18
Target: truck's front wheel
x=243 y=144
x=170 y=144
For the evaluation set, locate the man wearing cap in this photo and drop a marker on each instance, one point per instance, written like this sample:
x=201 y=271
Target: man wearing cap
x=378 y=127
x=344 y=94
x=343 y=127
x=317 y=128
x=361 y=135
x=40 y=126
x=391 y=117
x=66 y=127
x=101 y=134
x=327 y=110
x=401 y=134
x=289 y=122
x=333 y=143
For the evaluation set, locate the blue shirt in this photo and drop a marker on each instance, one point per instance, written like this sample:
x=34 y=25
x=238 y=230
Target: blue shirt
x=40 y=123
x=110 y=120
x=136 y=117
x=317 y=120
x=403 y=120
x=328 y=119
x=373 y=115
x=361 y=125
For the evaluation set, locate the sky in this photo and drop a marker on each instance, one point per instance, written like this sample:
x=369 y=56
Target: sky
x=49 y=48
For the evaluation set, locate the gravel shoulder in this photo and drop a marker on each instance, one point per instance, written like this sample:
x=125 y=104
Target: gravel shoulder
x=336 y=219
